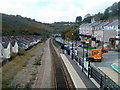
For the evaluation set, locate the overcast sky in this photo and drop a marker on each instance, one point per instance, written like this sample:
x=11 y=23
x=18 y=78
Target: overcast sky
x=50 y=11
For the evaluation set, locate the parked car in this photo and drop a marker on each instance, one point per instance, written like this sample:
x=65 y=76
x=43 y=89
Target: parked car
x=80 y=45
x=105 y=50
x=85 y=46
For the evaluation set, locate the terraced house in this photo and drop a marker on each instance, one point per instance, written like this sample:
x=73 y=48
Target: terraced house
x=106 y=32
x=12 y=44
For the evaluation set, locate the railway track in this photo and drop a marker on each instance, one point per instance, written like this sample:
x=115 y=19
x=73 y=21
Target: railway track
x=62 y=79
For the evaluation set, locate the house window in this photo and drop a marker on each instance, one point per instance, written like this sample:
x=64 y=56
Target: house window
x=118 y=26
x=118 y=34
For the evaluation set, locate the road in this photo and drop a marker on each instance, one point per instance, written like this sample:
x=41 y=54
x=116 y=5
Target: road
x=108 y=59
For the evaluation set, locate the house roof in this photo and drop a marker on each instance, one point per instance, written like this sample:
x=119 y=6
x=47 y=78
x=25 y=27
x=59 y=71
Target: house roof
x=5 y=44
x=22 y=41
x=104 y=23
x=115 y=22
x=20 y=44
x=107 y=23
x=95 y=24
x=13 y=43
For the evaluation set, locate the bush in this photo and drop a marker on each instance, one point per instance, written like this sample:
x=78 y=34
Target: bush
x=21 y=52
x=13 y=55
x=24 y=64
x=28 y=85
x=37 y=62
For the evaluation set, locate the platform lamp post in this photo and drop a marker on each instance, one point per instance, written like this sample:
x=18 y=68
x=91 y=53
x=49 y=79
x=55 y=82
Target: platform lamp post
x=72 y=46
x=87 y=41
x=103 y=40
x=63 y=46
x=83 y=42
x=89 y=59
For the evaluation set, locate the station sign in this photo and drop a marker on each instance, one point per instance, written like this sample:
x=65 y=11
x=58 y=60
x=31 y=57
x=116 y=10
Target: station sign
x=89 y=59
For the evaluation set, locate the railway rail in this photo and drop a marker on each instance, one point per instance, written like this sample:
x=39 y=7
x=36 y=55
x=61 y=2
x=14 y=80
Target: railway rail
x=62 y=79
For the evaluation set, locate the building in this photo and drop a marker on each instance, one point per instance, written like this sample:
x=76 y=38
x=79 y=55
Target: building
x=11 y=44
x=102 y=31
x=0 y=50
x=14 y=46
x=6 y=50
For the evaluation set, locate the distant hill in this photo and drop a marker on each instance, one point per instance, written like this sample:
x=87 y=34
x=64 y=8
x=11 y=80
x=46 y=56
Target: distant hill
x=60 y=26
x=18 y=25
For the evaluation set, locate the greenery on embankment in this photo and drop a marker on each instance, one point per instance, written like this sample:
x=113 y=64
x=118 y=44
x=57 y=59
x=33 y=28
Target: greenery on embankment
x=18 y=25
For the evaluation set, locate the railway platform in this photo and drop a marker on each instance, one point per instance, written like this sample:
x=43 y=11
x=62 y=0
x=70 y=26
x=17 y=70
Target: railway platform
x=79 y=78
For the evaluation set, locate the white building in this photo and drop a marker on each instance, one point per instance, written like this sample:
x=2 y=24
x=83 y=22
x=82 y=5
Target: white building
x=6 y=50
x=14 y=46
x=103 y=31
x=0 y=50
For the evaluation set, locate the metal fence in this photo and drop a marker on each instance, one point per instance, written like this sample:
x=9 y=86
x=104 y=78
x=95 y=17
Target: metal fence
x=103 y=80
x=100 y=77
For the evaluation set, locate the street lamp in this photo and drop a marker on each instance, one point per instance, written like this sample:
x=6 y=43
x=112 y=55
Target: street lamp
x=103 y=40
x=87 y=41
x=62 y=46
x=72 y=46
x=89 y=59
x=83 y=42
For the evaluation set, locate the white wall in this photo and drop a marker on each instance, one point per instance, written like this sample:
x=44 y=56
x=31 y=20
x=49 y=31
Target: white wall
x=6 y=52
x=15 y=48
x=0 y=50
x=109 y=34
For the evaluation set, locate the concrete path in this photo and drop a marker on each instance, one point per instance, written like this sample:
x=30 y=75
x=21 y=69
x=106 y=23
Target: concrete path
x=88 y=83
x=74 y=75
x=79 y=78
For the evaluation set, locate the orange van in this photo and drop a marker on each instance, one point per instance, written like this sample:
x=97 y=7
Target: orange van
x=96 y=54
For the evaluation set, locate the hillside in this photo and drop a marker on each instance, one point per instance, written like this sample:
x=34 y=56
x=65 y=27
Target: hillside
x=112 y=12
x=17 y=25
x=60 y=26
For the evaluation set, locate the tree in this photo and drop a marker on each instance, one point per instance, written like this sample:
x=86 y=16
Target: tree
x=78 y=19
x=87 y=15
x=114 y=10
x=68 y=33
x=99 y=15
x=87 y=20
x=119 y=10
x=76 y=35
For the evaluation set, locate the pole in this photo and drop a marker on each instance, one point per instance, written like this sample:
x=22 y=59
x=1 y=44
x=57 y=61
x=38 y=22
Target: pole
x=103 y=41
x=88 y=69
x=63 y=46
x=83 y=58
x=72 y=46
x=87 y=49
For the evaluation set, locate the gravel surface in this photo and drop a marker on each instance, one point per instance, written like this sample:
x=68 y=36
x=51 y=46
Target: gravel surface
x=26 y=77
x=47 y=75
x=36 y=76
